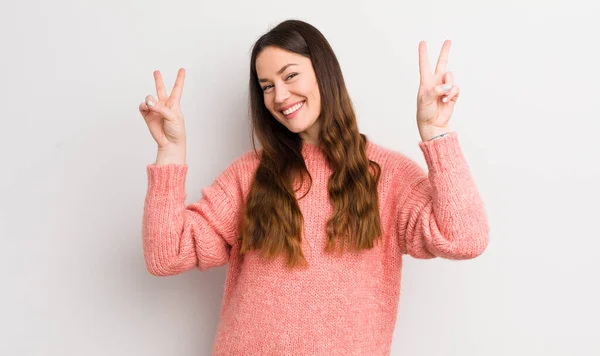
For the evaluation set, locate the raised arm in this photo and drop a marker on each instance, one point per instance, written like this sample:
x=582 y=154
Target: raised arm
x=178 y=237
x=440 y=214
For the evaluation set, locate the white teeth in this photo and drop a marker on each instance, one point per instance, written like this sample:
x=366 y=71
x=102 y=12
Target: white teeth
x=293 y=108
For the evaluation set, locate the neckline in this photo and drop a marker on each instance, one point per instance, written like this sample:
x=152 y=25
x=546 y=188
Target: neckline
x=314 y=151
x=310 y=151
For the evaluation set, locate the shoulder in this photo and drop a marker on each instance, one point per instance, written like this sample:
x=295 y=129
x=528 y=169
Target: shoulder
x=247 y=160
x=237 y=176
x=246 y=164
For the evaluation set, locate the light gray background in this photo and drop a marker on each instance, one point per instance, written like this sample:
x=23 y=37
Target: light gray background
x=75 y=149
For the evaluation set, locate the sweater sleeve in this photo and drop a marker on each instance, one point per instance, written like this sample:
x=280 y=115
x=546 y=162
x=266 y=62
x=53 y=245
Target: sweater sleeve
x=441 y=213
x=178 y=237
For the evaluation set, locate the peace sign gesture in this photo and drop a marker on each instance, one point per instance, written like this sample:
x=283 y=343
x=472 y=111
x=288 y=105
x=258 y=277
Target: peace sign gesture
x=163 y=116
x=437 y=93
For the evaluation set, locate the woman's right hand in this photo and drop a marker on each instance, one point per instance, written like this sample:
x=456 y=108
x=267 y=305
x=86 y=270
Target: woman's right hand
x=163 y=116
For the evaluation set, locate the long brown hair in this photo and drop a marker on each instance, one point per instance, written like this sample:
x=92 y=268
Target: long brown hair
x=272 y=219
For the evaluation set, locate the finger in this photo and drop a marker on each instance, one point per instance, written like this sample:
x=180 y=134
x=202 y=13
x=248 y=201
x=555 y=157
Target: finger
x=150 y=100
x=178 y=87
x=424 y=69
x=442 y=89
x=443 y=58
x=448 y=78
x=160 y=86
x=452 y=95
x=164 y=111
x=144 y=109
x=455 y=98
x=432 y=94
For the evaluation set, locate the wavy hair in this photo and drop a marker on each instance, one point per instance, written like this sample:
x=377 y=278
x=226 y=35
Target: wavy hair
x=272 y=221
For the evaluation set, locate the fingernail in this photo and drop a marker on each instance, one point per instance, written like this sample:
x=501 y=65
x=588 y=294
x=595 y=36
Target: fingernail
x=150 y=103
x=445 y=99
x=447 y=86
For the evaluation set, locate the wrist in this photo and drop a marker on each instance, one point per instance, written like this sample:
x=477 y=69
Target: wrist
x=429 y=133
x=438 y=136
x=171 y=155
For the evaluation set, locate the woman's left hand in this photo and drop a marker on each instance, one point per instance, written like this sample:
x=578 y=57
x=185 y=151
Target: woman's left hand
x=437 y=94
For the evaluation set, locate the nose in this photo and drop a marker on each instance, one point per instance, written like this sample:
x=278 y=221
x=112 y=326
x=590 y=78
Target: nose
x=281 y=94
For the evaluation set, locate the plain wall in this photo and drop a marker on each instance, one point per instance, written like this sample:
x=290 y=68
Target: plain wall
x=75 y=149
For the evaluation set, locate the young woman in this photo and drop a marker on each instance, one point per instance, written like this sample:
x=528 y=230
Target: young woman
x=315 y=224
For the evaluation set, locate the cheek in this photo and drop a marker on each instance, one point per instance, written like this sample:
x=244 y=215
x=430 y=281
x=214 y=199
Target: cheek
x=268 y=103
x=315 y=96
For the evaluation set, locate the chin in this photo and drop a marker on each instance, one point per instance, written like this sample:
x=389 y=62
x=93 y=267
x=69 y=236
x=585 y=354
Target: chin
x=294 y=125
x=296 y=129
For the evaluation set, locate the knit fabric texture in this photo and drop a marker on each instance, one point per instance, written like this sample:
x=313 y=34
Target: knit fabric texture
x=340 y=305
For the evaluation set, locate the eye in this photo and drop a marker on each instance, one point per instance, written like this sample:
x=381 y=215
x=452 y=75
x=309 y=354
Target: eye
x=292 y=75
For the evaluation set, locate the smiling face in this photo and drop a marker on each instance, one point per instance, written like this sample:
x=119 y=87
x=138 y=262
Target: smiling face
x=290 y=91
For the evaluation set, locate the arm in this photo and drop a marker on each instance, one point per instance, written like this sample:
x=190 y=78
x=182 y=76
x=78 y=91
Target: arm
x=176 y=237
x=440 y=214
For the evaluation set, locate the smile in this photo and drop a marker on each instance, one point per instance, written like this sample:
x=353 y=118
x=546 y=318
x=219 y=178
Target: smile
x=293 y=109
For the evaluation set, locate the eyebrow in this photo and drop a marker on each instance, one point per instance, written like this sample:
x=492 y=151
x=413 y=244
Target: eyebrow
x=279 y=72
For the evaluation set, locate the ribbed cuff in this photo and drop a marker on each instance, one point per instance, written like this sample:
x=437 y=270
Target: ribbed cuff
x=166 y=179
x=443 y=154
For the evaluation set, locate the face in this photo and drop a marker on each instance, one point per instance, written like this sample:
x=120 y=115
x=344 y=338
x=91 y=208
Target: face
x=290 y=91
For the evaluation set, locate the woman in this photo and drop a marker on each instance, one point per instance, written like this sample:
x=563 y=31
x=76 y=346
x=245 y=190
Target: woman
x=314 y=225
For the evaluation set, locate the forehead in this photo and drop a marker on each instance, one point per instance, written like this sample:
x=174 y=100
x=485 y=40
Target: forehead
x=272 y=59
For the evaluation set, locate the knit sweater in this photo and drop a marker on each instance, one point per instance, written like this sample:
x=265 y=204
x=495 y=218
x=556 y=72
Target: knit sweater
x=340 y=305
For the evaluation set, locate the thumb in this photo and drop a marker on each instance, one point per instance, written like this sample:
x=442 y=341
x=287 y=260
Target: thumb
x=160 y=108
x=439 y=90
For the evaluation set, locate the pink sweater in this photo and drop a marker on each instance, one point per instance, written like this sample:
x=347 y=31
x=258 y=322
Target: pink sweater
x=340 y=305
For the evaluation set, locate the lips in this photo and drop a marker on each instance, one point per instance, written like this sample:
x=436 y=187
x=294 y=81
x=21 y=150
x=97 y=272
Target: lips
x=287 y=107
x=292 y=115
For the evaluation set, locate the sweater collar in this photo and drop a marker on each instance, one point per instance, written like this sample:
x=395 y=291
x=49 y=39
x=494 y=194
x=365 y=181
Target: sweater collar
x=314 y=151
x=310 y=151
